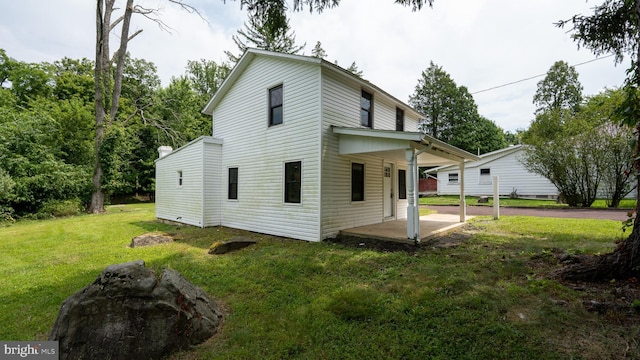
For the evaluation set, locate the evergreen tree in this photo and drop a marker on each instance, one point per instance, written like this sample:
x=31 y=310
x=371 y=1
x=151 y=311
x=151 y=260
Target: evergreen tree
x=354 y=69
x=318 y=51
x=451 y=113
x=264 y=33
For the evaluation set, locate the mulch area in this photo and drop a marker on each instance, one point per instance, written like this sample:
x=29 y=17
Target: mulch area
x=450 y=240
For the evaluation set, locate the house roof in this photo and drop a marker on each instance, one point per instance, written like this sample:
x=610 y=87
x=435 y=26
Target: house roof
x=431 y=150
x=203 y=138
x=484 y=158
x=251 y=54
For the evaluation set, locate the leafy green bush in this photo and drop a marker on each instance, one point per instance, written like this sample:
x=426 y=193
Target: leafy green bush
x=7 y=193
x=60 y=208
x=6 y=214
x=34 y=169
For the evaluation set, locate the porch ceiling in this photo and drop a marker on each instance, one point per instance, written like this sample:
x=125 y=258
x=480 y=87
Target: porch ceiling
x=393 y=144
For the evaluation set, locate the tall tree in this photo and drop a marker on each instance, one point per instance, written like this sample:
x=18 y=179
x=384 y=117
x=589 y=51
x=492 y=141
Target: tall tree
x=263 y=32
x=561 y=144
x=318 y=51
x=206 y=76
x=354 y=69
x=451 y=113
x=437 y=97
x=614 y=27
x=479 y=135
x=560 y=89
x=107 y=88
x=108 y=76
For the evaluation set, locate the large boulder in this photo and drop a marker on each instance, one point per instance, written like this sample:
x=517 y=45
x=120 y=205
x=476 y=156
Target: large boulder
x=128 y=313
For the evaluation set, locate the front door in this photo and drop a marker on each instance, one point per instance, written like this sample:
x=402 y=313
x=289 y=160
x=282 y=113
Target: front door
x=388 y=202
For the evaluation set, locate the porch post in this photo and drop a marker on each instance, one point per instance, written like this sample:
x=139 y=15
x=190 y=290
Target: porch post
x=416 y=209
x=411 y=197
x=463 y=203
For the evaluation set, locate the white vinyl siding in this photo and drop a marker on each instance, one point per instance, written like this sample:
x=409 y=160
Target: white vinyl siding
x=185 y=203
x=484 y=176
x=315 y=96
x=241 y=119
x=512 y=175
x=341 y=107
x=213 y=180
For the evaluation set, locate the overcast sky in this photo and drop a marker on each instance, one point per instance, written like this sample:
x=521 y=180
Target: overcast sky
x=481 y=43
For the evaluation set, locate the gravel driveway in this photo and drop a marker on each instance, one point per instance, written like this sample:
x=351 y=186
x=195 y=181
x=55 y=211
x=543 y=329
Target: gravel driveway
x=605 y=214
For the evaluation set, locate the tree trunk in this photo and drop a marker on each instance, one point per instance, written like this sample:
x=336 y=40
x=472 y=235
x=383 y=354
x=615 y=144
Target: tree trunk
x=104 y=8
x=107 y=96
x=622 y=263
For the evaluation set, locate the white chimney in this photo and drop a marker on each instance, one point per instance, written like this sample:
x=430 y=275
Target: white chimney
x=164 y=151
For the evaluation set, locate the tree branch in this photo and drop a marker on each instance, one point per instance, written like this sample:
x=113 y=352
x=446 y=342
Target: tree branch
x=122 y=51
x=115 y=23
x=117 y=53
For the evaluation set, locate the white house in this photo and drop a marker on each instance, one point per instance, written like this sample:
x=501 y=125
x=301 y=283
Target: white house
x=301 y=148
x=504 y=163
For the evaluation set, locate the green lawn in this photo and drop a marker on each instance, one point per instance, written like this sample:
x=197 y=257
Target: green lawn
x=487 y=298
x=473 y=200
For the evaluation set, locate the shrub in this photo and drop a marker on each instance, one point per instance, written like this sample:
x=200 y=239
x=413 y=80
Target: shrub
x=6 y=215
x=59 y=208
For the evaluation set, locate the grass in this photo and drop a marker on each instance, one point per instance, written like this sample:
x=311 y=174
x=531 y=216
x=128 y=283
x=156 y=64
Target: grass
x=540 y=203
x=484 y=299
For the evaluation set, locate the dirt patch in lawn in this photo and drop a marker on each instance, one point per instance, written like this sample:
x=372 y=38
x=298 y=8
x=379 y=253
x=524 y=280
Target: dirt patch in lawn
x=448 y=240
x=617 y=301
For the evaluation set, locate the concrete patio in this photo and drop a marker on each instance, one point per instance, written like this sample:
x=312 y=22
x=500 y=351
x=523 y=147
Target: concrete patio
x=431 y=226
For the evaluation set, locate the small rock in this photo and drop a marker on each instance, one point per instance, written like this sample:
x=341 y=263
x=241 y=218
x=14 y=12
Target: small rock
x=150 y=239
x=483 y=200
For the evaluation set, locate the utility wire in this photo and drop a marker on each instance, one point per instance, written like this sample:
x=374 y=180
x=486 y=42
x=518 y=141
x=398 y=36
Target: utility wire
x=537 y=76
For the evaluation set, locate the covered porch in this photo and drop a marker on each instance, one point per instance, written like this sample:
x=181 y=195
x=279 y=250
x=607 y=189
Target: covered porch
x=431 y=226
x=416 y=150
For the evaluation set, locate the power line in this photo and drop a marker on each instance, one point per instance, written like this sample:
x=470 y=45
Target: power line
x=537 y=76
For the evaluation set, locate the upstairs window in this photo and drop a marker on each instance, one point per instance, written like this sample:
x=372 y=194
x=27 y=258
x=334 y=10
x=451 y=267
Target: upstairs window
x=292 y=182
x=179 y=177
x=399 y=119
x=453 y=178
x=402 y=184
x=366 y=109
x=357 y=182
x=232 y=191
x=275 y=105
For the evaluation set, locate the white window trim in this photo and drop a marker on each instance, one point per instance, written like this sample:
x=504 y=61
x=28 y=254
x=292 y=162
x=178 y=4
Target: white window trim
x=364 y=182
x=237 y=185
x=269 y=88
x=180 y=182
x=484 y=179
x=455 y=182
x=284 y=182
